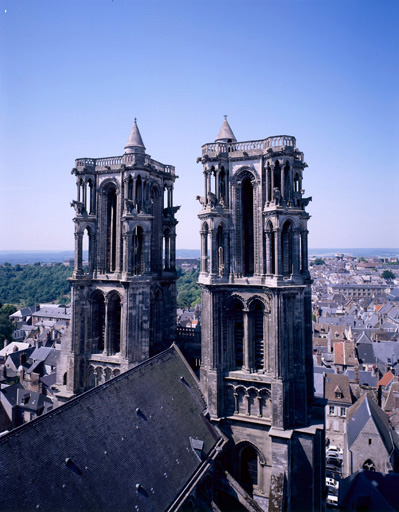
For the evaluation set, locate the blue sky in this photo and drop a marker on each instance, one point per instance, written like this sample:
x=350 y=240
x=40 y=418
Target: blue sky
x=75 y=73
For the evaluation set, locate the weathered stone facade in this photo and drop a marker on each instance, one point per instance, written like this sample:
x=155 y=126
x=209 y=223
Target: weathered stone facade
x=257 y=369
x=124 y=298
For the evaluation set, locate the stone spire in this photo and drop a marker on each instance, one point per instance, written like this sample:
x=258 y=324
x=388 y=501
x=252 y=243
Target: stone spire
x=226 y=133
x=135 y=143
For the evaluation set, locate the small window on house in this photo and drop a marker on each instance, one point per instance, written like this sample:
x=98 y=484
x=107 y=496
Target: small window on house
x=369 y=441
x=338 y=394
x=332 y=410
x=343 y=411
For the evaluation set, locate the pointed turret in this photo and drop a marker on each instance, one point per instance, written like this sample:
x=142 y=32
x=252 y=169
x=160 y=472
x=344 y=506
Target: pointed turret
x=226 y=133
x=135 y=143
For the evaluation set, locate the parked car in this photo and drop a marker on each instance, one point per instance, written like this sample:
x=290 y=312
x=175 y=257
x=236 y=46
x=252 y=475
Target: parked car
x=332 y=501
x=331 y=482
x=334 y=449
x=334 y=461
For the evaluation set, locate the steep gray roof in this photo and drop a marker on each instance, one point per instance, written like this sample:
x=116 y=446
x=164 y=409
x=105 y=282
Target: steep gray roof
x=359 y=414
x=125 y=445
x=365 y=353
x=225 y=133
x=135 y=143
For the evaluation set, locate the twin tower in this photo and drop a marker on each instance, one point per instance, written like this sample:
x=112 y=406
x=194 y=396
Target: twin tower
x=256 y=355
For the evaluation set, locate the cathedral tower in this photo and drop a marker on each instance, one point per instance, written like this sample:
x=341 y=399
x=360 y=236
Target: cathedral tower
x=257 y=369
x=124 y=296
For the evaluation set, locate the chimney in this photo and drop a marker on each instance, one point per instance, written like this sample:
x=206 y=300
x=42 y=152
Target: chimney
x=357 y=374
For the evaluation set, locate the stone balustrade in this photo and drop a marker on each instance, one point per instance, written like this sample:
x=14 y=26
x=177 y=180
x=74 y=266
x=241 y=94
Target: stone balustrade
x=114 y=163
x=253 y=146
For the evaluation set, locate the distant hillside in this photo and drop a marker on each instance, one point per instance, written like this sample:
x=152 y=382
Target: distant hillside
x=30 y=257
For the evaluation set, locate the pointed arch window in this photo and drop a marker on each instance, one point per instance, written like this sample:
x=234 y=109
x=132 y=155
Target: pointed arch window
x=137 y=251
x=247 y=209
x=114 y=323
x=238 y=333
x=139 y=194
x=287 y=248
x=257 y=318
x=98 y=321
x=111 y=229
x=220 y=250
x=249 y=468
x=222 y=186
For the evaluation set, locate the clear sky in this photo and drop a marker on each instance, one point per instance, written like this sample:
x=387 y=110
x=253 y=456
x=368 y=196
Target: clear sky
x=75 y=73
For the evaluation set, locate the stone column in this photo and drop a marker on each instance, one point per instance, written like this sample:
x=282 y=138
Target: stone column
x=282 y=184
x=84 y=200
x=277 y=254
x=272 y=184
x=167 y=252
x=304 y=241
x=247 y=355
x=78 y=252
x=92 y=240
x=267 y=184
x=204 y=251
x=127 y=247
x=296 y=250
x=173 y=252
x=205 y=187
x=78 y=189
x=147 y=251
x=269 y=254
x=107 y=329
x=213 y=253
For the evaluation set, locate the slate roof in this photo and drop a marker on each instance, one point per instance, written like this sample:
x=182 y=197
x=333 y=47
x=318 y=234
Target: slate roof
x=90 y=453
x=380 y=490
x=365 y=353
x=365 y=378
x=360 y=413
x=386 y=351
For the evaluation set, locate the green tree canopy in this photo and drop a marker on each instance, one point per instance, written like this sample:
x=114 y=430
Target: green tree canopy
x=387 y=274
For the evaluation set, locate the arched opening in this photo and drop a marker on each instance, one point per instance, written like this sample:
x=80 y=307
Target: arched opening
x=222 y=186
x=277 y=176
x=238 y=333
x=369 y=465
x=91 y=196
x=111 y=229
x=220 y=250
x=86 y=251
x=257 y=328
x=287 y=246
x=139 y=194
x=137 y=251
x=249 y=468
x=247 y=209
x=114 y=323
x=204 y=248
x=98 y=322
x=130 y=188
x=166 y=248
x=287 y=184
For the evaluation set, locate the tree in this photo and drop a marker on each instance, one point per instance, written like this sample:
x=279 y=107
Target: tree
x=317 y=261
x=6 y=327
x=387 y=274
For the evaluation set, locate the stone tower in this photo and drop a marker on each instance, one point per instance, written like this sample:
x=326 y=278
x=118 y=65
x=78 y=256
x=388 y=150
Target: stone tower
x=257 y=368
x=124 y=296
